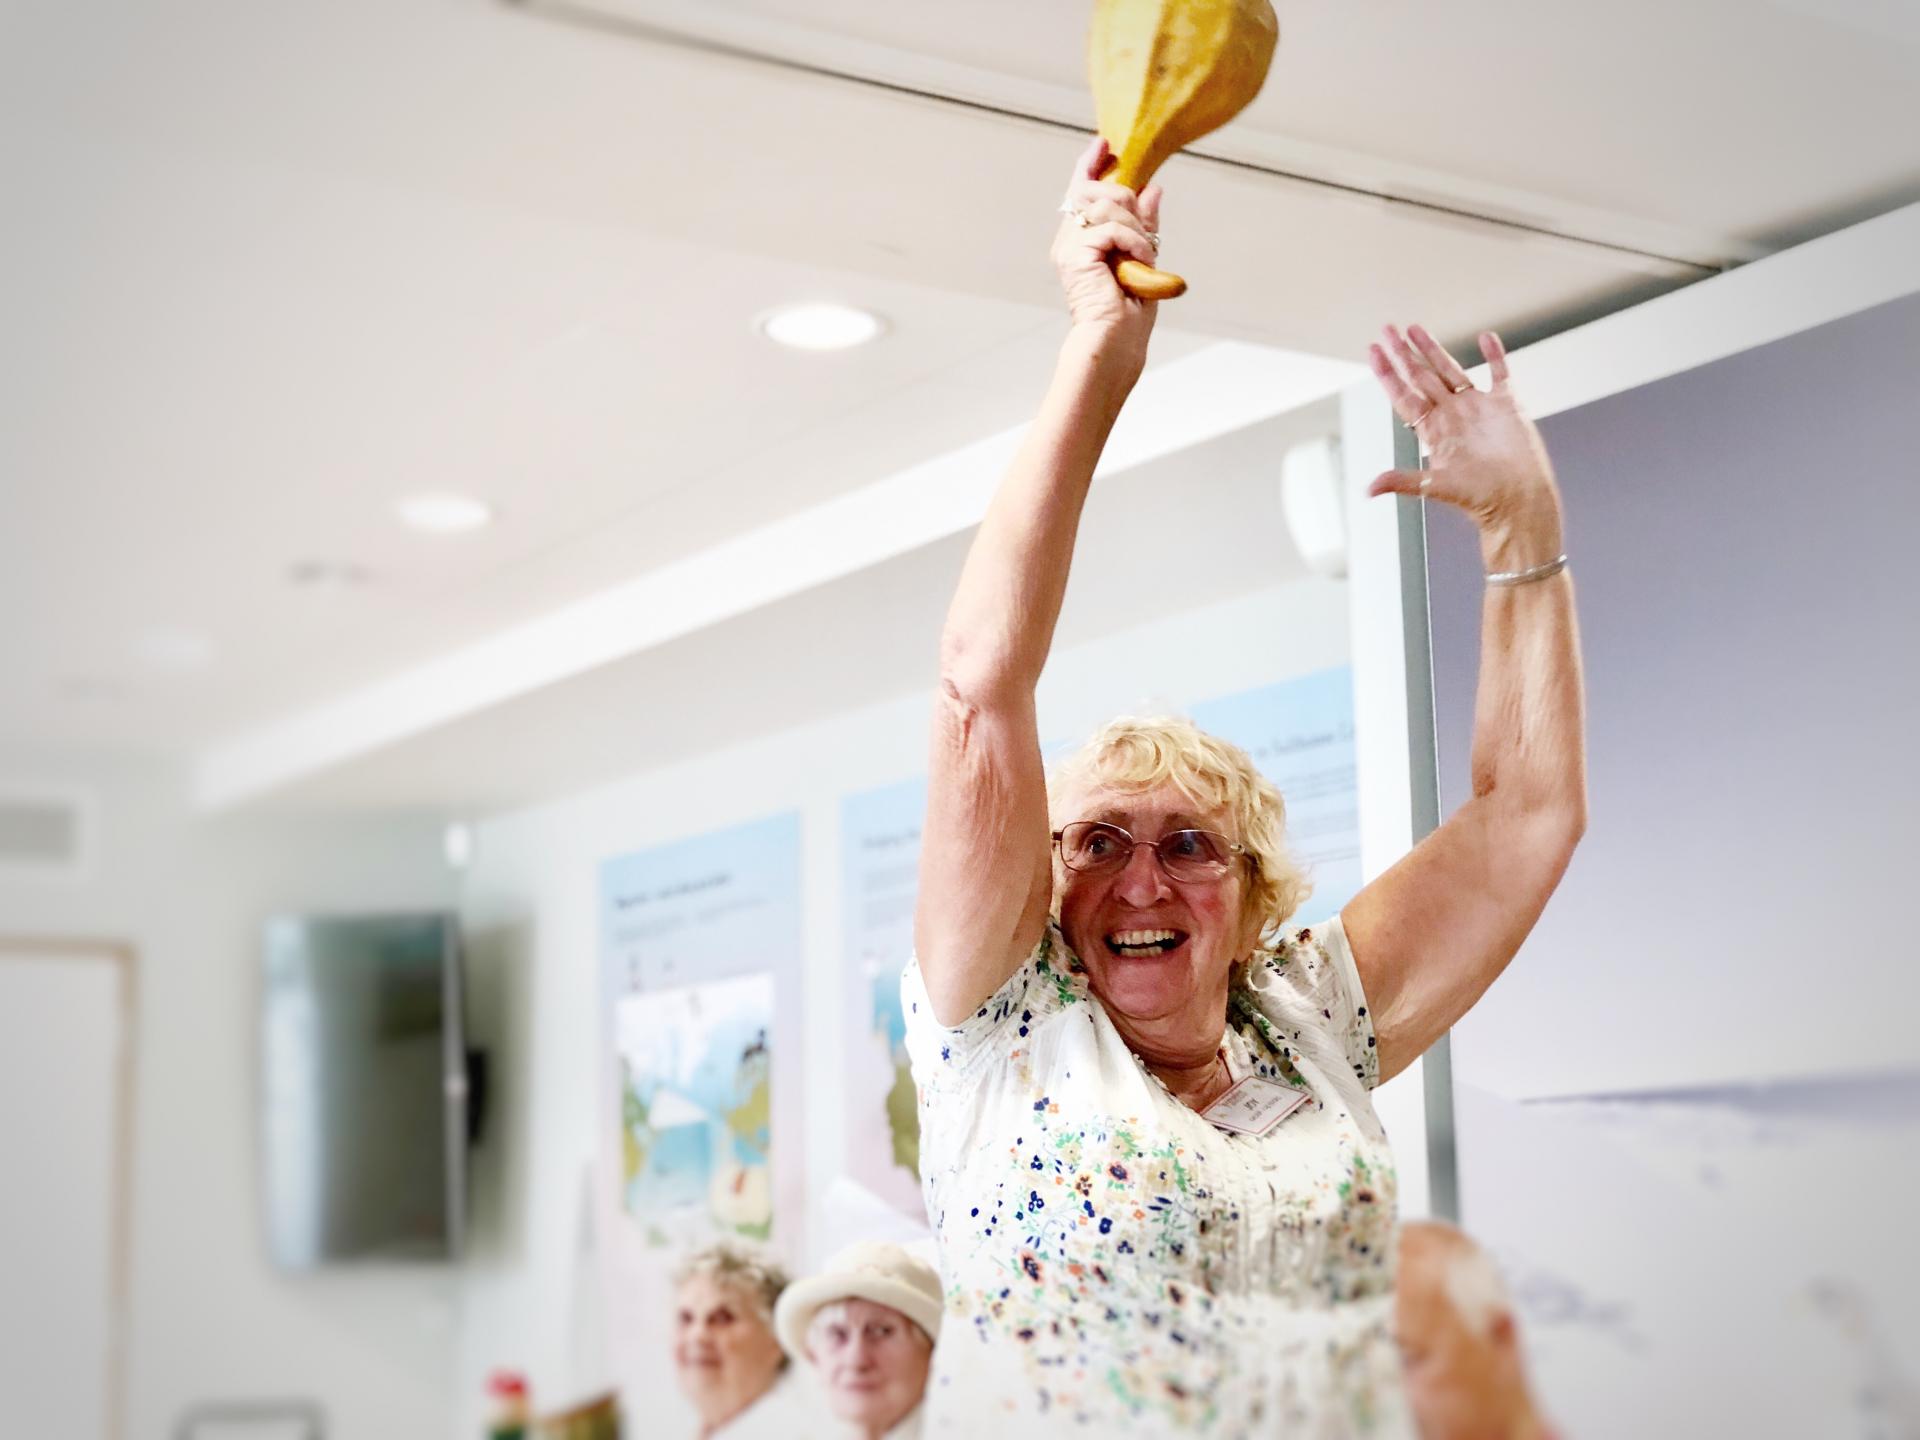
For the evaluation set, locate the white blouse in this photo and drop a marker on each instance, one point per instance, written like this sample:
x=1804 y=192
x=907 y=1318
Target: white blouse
x=793 y=1409
x=1112 y=1260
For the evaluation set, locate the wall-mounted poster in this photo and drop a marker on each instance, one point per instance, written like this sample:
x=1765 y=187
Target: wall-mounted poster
x=696 y=1105
x=880 y=836
x=695 y=938
x=1300 y=734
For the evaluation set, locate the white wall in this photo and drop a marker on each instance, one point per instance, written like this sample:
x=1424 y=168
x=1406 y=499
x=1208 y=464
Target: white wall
x=1704 y=1056
x=530 y=908
x=210 y=1319
x=1744 y=542
x=62 y=1019
x=1737 y=466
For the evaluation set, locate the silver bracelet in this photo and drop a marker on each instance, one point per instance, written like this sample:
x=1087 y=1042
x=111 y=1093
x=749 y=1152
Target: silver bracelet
x=1527 y=577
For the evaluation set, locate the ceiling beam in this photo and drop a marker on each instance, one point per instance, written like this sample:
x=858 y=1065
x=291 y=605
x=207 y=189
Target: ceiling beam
x=1222 y=388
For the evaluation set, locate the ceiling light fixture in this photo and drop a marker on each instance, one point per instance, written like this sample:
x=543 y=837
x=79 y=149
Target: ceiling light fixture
x=821 y=325
x=443 y=513
x=328 y=575
x=91 y=689
x=174 y=648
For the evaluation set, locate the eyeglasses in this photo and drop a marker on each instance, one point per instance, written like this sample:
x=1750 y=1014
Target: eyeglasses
x=1094 y=847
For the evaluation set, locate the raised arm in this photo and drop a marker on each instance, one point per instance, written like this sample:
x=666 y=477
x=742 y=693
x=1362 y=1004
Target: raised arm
x=985 y=870
x=1431 y=934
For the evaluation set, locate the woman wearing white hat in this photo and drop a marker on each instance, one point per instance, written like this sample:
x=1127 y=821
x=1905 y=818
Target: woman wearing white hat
x=867 y=1324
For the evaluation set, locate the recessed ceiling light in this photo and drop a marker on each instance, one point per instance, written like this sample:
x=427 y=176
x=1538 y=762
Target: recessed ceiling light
x=821 y=326
x=443 y=514
x=328 y=575
x=88 y=689
x=174 y=648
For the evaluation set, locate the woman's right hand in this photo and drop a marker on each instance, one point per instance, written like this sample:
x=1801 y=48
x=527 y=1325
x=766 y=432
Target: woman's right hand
x=1110 y=221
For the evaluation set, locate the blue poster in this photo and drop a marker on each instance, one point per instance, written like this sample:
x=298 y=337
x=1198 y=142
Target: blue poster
x=1300 y=734
x=692 y=937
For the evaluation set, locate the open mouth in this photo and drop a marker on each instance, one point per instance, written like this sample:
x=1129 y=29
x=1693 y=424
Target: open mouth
x=1145 y=944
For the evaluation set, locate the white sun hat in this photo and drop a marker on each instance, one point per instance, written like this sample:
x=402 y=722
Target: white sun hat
x=876 y=1270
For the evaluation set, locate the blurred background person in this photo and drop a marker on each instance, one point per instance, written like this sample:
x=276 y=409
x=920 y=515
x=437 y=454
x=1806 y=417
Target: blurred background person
x=729 y=1362
x=1466 y=1377
x=867 y=1324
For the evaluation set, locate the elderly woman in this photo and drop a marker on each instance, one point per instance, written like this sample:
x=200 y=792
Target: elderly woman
x=867 y=1324
x=725 y=1352
x=1161 y=1196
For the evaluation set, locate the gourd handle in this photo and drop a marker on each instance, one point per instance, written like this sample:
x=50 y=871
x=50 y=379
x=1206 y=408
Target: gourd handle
x=1141 y=281
x=1146 y=283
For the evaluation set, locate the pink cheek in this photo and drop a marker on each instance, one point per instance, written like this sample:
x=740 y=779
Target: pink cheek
x=1076 y=906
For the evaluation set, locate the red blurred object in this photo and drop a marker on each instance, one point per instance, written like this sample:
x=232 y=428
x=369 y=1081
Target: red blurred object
x=511 y=1413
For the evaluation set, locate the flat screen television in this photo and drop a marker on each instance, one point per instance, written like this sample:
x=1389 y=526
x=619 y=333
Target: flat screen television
x=365 y=1088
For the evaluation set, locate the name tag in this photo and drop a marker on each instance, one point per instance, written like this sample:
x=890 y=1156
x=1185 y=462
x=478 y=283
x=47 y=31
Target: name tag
x=1254 y=1106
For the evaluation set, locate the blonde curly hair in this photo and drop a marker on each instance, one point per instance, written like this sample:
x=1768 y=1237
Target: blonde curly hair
x=1132 y=754
x=746 y=1268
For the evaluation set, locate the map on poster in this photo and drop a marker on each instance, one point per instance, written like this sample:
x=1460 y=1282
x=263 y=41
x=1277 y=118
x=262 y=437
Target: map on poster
x=880 y=839
x=696 y=1114
x=693 y=936
x=1300 y=733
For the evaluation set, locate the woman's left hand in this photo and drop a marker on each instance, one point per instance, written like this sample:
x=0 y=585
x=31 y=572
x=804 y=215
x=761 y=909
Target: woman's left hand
x=1482 y=878
x=1484 y=454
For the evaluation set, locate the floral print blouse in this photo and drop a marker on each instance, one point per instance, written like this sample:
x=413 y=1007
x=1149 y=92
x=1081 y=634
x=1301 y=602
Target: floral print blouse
x=1113 y=1261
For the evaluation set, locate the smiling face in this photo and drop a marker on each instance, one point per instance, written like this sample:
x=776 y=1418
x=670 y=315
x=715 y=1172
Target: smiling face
x=1158 y=951
x=724 y=1351
x=872 y=1360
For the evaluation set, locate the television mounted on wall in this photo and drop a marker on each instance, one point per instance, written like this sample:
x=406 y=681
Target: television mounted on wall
x=367 y=1088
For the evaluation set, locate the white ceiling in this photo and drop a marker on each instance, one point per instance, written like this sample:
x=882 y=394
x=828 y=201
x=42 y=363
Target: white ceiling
x=1710 y=130
x=269 y=265
x=860 y=639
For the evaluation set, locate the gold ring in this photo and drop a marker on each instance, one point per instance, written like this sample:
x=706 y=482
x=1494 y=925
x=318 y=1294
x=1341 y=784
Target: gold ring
x=1461 y=389
x=1414 y=424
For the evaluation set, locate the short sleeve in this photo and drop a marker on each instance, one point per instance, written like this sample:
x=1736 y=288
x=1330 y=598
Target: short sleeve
x=1043 y=985
x=1309 y=986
